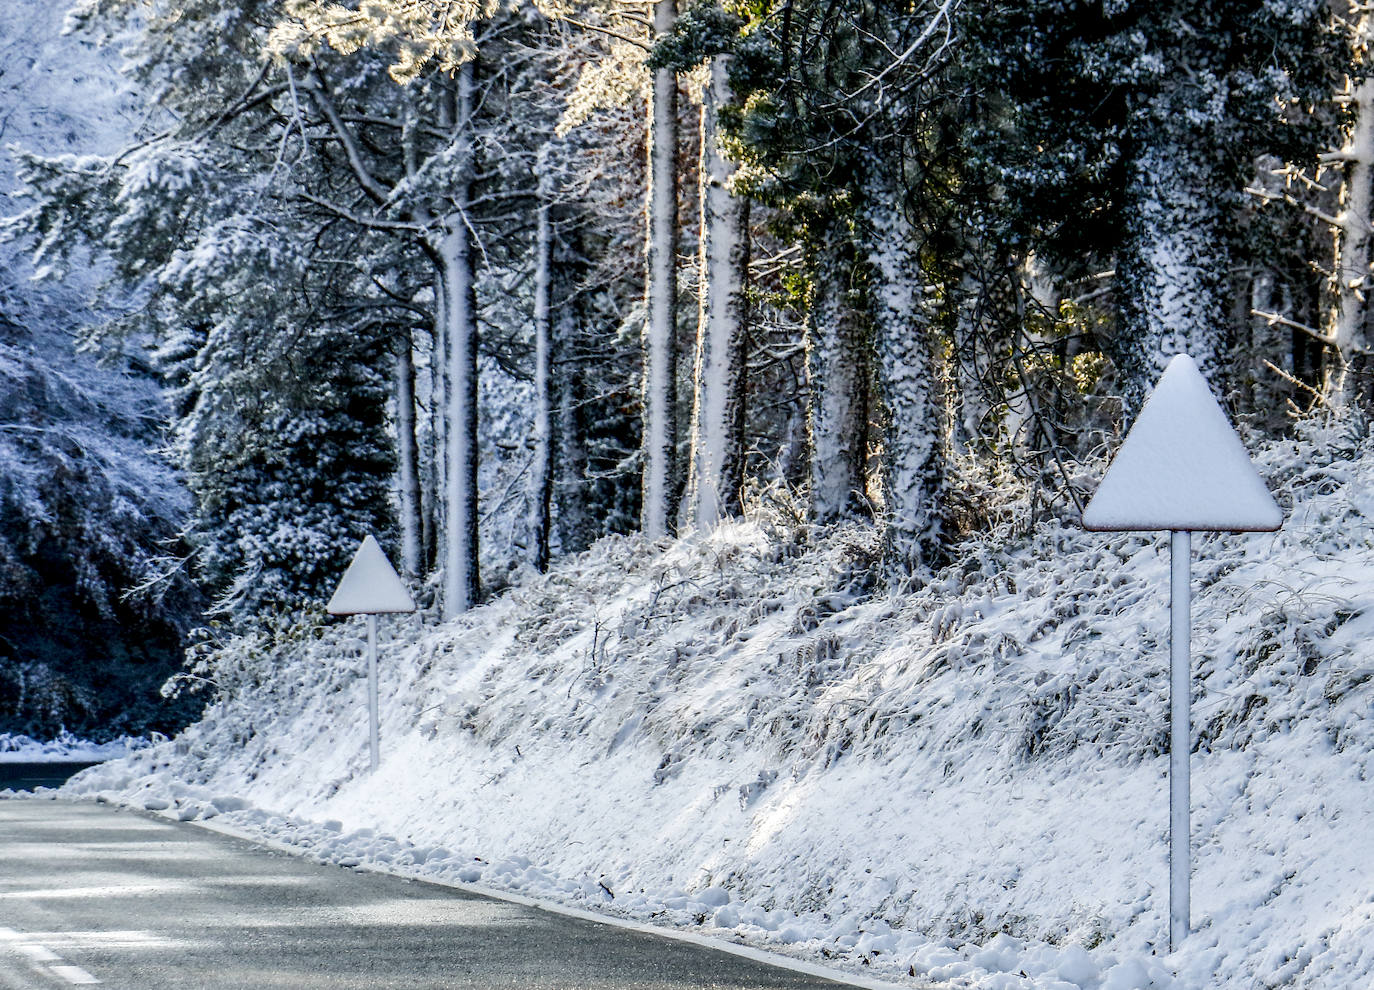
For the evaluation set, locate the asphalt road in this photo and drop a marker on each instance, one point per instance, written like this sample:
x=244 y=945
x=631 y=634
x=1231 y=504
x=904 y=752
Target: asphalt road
x=91 y=894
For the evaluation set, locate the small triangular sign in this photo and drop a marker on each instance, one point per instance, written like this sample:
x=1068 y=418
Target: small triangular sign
x=370 y=585
x=1182 y=467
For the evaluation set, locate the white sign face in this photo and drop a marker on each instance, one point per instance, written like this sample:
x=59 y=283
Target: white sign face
x=370 y=585
x=1182 y=467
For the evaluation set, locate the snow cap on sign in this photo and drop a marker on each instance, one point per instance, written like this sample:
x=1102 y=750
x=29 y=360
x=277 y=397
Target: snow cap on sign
x=1182 y=466
x=370 y=585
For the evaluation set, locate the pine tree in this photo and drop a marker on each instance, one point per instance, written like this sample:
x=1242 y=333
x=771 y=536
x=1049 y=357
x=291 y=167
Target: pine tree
x=1129 y=129
x=846 y=135
x=219 y=221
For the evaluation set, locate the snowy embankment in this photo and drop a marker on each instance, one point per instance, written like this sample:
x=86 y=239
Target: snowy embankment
x=66 y=748
x=966 y=782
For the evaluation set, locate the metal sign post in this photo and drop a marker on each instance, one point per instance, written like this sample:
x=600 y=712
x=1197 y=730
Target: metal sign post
x=1180 y=746
x=371 y=587
x=374 y=748
x=1181 y=468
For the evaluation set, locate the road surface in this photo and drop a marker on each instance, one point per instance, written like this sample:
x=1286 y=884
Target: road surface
x=90 y=894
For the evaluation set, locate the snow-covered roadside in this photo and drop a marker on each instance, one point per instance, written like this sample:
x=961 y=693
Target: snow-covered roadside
x=67 y=748
x=962 y=783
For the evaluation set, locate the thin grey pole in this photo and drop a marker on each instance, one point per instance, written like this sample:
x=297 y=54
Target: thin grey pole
x=372 y=687
x=1180 y=688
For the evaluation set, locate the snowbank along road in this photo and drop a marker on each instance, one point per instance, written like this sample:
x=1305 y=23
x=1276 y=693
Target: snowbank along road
x=92 y=895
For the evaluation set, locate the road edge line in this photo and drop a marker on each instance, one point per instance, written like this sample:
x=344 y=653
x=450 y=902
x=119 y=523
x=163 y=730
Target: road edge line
x=554 y=907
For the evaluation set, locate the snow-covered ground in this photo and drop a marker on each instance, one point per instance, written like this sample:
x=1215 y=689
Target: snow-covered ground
x=66 y=748
x=967 y=782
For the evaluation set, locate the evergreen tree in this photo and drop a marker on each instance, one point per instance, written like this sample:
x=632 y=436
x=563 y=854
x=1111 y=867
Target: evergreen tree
x=1128 y=130
x=94 y=606
x=846 y=135
x=217 y=221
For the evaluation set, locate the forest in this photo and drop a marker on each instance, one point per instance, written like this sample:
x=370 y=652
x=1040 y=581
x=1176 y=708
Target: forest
x=495 y=280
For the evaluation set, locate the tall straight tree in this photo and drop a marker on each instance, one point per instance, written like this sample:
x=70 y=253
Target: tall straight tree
x=838 y=349
x=1129 y=129
x=904 y=332
x=843 y=134
x=716 y=469
x=542 y=468
x=660 y=294
x=428 y=193
x=453 y=246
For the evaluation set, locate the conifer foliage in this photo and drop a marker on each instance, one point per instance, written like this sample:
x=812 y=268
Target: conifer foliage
x=421 y=267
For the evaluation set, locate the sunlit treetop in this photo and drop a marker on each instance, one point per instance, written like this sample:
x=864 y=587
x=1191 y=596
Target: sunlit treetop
x=419 y=32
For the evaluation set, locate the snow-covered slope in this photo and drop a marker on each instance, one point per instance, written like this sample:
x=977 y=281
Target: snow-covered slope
x=967 y=781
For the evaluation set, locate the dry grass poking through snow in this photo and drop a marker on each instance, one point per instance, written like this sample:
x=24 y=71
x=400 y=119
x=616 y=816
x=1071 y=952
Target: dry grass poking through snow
x=967 y=780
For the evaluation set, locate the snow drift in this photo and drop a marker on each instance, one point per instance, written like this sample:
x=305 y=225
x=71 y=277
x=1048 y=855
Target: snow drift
x=966 y=781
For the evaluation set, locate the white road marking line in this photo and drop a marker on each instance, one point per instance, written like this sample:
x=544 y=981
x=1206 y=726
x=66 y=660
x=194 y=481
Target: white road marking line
x=73 y=974
x=108 y=890
x=842 y=977
x=38 y=953
x=74 y=939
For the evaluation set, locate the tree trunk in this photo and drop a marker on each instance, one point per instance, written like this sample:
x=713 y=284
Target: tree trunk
x=541 y=469
x=972 y=430
x=1027 y=435
x=837 y=349
x=660 y=331
x=1172 y=268
x=1349 y=334
x=459 y=299
x=913 y=451
x=408 y=461
x=436 y=472
x=716 y=468
x=575 y=526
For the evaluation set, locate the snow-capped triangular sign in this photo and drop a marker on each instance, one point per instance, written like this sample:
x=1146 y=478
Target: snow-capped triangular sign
x=1182 y=467
x=370 y=585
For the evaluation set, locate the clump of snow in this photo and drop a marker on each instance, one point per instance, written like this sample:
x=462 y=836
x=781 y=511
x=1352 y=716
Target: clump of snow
x=962 y=783
x=67 y=748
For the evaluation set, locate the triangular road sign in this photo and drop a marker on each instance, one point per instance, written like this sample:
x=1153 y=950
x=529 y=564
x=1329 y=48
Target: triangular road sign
x=370 y=585
x=1182 y=467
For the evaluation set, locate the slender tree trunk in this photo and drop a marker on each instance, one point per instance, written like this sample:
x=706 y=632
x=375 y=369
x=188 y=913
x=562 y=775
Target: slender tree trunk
x=541 y=470
x=971 y=358
x=575 y=526
x=1267 y=392
x=1026 y=436
x=437 y=492
x=458 y=278
x=1173 y=266
x=837 y=371
x=716 y=469
x=913 y=449
x=660 y=332
x=1349 y=378
x=438 y=440
x=408 y=457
